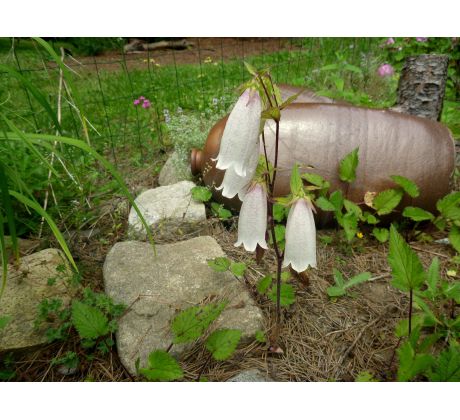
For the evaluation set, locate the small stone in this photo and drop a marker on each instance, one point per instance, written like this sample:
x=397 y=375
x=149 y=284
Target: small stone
x=158 y=288
x=175 y=170
x=251 y=375
x=167 y=209
x=42 y=275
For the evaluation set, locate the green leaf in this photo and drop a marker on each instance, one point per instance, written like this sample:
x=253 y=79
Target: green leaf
x=350 y=225
x=279 y=212
x=338 y=278
x=348 y=165
x=162 y=367
x=287 y=294
x=296 y=181
x=381 y=234
x=365 y=376
x=260 y=336
x=222 y=343
x=412 y=364
x=417 y=214
x=219 y=264
x=408 y=186
x=201 y=194
x=370 y=218
x=407 y=270
x=386 y=201
x=264 y=284
x=360 y=278
x=452 y=291
x=191 y=323
x=352 y=207
x=432 y=278
x=326 y=239
x=324 y=204
x=280 y=234
x=250 y=68
x=89 y=321
x=220 y=211
x=448 y=206
x=238 y=269
x=454 y=237
x=447 y=366
x=335 y=291
x=316 y=179
x=336 y=198
x=402 y=327
x=353 y=69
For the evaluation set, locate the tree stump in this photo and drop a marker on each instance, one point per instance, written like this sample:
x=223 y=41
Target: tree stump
x=422 y=85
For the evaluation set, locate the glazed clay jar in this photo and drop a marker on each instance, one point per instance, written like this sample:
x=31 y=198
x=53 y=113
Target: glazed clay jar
x=319 y=135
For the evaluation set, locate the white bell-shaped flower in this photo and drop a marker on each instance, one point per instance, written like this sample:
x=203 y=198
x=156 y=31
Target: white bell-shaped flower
x=300 y=236
x=233 y=183
x=252 y=223
x=241 y=134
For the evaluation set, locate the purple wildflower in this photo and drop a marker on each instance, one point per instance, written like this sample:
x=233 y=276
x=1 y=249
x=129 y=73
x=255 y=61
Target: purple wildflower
x=389 y=41
x=385 y=70
x=136 y=102
x=146 y=104
x=421 y=39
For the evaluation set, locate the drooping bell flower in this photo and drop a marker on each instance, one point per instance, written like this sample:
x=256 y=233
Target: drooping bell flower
x=300 y=236
x=241 y=134
x=233 y=183
x=252 y=223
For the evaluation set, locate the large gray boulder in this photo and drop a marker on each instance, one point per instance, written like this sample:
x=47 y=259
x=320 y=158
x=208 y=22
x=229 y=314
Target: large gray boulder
x=42 y=275
x=175 y=170
x=168 y=209
x=157 y=288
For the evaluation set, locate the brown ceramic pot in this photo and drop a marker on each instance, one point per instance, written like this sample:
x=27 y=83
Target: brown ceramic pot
x=320 y=135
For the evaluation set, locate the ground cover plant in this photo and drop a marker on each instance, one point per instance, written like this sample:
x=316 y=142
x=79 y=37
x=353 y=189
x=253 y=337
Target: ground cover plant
x=63 y=122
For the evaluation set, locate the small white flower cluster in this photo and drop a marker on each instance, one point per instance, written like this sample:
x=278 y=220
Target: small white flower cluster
x=239 y=157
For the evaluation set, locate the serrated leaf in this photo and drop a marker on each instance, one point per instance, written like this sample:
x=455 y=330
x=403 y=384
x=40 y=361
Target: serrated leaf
x=381 y=234
x=338 y=278
x=412 y=364
x=407 y=185
x=162 y=367
x=429 y=318
x=432 y=278
x=296 y=181
x=454 y=237
x=280 y=234
x=324 y=204
x=348 y=165
x=448 y=206
x=201 y=194
x=447 y=366
x=452 y=291
x=407 y=270
x=370 y=218
x=264 y=284
x=417 y=214
x=219 y=264
x=89 y=321
x=287 y=294
x=350 y=225
x=336 y=198
x=191 y=323
x=352 y=207
x=315 y=179
x=238 y=269
x=279 y=212
x=222 y=343
x=360 y=278
x=402 y=327
x=386 y=201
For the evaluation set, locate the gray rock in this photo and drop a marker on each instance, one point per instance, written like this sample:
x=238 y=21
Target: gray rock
x=167 y=209
x=26 y=287
x=252 y=375
x=159 y=287
x=175 y=170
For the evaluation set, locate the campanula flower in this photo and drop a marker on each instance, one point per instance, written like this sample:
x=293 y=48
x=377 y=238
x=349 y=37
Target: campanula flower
x=300 y=236
x=241 y=134
x=252 y=223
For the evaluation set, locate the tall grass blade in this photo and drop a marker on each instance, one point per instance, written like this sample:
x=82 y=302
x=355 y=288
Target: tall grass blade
x=8 y=209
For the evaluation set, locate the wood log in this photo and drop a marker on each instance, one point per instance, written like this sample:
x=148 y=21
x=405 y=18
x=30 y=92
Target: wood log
x=422 y=86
